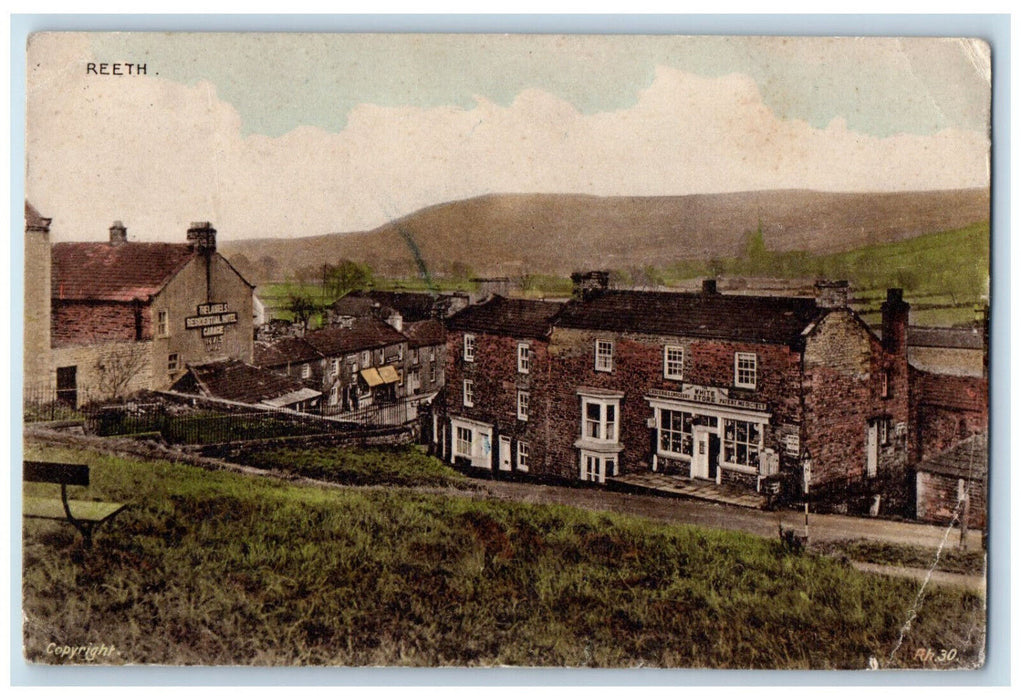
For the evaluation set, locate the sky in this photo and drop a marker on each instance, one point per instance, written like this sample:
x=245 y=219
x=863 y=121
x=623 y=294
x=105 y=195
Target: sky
x=282 y=135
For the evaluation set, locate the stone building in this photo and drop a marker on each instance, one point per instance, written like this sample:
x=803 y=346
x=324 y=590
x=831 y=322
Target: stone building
x=128 y=316
x=952 y=485
x=38 y=364
x=356 y=364
x=731 y=389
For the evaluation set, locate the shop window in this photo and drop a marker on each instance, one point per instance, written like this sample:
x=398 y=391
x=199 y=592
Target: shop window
x=675 y=434
x=742 y=442
x=463 y=442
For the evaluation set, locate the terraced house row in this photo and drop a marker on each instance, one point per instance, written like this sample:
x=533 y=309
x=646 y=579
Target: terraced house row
x=768 y=393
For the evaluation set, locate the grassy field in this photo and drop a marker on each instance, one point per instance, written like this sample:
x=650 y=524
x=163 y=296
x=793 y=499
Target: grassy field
x=404 y=466
x=218 y=568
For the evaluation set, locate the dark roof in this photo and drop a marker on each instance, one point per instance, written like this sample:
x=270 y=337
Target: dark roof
x=357 y=305
x=236 y=381
x=967 y=459
x=423 y=333
x=519 y=318
x=34 y=221
x=363 y=334
x=123 y=272
x=721 y=316
x=283 y=351
x=962 y=338
x=413 y=306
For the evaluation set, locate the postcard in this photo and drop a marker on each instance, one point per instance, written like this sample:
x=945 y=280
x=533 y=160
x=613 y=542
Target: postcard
x=477 y=350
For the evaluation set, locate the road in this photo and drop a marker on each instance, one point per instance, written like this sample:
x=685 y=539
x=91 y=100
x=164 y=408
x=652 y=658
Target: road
x=756 y=522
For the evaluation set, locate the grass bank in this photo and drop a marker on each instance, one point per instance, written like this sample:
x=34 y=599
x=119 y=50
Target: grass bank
x=403 y=466
x=950 y=559
x=218 y=568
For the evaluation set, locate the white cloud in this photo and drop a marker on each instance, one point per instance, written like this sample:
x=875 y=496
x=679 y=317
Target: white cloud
x=158 y=154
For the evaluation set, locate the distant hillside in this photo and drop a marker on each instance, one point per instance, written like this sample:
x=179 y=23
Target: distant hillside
x=509 y=234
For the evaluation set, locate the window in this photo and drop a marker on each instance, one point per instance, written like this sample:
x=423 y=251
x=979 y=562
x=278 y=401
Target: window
x=742 y=442
x=463 y=443
x=173 y=362
x=432 y=374
x=162 y=324
x=673 y=362
x=745 y=369
x=335 y=395
x=469 y=347
x=884 y=388
x=675 y=434
x=379 y=356
x=595 y=467
x=604 y=356
x=469 y=393
x=306 y=371
x=432 y=353
x=522 y=456
x=335 y=367
x=366 y=358
x=413 y=380
x=524 y=358
x=599 y=420
x=523 y=405
x=354 y=368
x=414 y=356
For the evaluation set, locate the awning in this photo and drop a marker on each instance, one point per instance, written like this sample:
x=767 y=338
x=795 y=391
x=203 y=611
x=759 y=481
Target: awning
x=292 y=398
x=371 y=377
x=389 y=374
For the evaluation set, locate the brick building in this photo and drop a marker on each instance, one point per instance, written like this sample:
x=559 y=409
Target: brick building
x=496 y=352
x=735 y=389
x=128 y=316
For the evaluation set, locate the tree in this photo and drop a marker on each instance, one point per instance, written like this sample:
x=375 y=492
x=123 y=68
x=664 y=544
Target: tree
x=346 y=276
x=302 y=306
x=117 y=366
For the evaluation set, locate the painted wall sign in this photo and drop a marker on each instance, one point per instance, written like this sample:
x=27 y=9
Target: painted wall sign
x=711 y=395
x=211 y=318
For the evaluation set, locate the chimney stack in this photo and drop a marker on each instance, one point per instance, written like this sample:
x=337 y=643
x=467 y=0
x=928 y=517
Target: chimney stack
x=709 y=287
x=895 y=322
x=587 y=285
x=118 y=234
x=202 y=235
x=831 y=294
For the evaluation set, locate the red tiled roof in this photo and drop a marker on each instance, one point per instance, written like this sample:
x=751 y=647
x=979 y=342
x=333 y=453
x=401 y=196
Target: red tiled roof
x=106 y=272
x=424 y=333
x=364 y=334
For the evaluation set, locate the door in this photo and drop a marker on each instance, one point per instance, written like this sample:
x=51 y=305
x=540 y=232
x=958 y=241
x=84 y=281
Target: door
x=700 y=456
x=872 y=449
x=482 y=450
x=67 y=385
x=505 y=453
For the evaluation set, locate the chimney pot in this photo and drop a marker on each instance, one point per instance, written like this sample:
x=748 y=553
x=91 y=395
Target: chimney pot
x=709 y=286
x=587 y=285
x=202 y=235
x=118 y=234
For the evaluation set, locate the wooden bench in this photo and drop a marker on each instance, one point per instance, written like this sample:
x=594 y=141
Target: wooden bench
x=84 y=515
